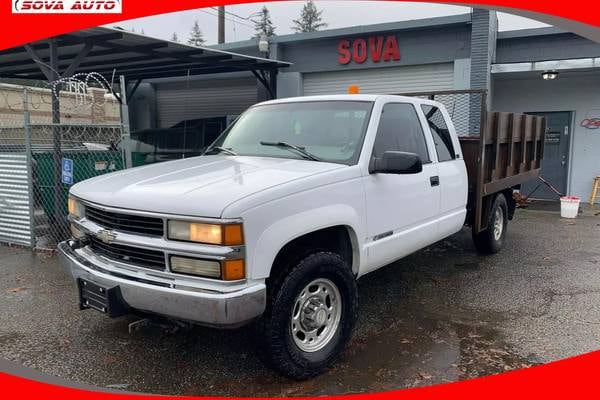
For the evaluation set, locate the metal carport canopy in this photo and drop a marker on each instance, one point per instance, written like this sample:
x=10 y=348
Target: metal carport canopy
x=114 y=52
x=129 y=56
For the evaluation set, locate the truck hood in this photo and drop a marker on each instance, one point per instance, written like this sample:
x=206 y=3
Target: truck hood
x=199 y=186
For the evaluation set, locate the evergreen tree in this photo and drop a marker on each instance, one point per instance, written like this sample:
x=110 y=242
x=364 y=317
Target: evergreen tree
x=196 y=38
x=264 y=24
x=174 y=38
x=310 y=19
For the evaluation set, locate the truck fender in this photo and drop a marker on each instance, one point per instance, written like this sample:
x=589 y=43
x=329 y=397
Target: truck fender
x=283 y=231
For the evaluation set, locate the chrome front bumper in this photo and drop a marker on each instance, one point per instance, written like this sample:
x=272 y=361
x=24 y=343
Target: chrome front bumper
x=156 y=295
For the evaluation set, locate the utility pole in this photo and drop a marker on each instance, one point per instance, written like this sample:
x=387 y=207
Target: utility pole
x=221 y=36
x=59 y=209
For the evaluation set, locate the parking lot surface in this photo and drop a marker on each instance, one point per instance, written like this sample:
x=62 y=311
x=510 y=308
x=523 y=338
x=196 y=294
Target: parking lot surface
x=443 y=314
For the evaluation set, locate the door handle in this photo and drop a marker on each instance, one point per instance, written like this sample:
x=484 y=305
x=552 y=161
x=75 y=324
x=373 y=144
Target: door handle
x=434 y=180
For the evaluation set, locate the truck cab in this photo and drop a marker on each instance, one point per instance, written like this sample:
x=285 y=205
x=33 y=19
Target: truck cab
x=276 y=221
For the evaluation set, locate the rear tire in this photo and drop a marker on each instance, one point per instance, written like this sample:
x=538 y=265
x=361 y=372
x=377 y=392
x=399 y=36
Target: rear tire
x=310 y=316
x=491 y=240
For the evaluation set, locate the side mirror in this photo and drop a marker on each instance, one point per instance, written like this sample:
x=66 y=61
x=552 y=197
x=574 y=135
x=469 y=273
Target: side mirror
x=396 y=162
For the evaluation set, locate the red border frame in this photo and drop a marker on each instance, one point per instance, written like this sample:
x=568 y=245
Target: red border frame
x=572 y=378
x=580 y=15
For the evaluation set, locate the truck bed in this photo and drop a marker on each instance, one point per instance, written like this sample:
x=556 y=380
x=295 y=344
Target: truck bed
x=510 y=154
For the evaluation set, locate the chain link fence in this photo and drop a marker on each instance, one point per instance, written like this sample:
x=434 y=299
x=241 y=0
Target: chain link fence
x=41 y=160
x=467 y=108
x=85 y=151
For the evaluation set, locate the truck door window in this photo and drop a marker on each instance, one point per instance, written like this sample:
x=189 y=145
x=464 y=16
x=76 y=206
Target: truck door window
x=400 y=130
x=439 y=131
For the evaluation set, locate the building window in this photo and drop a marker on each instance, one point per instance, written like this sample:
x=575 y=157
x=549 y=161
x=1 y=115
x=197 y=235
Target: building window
x=400 y=130
x=439 y=131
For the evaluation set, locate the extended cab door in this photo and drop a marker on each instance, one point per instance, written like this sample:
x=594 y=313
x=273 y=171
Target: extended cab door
x=451 y=170
x=402 y=210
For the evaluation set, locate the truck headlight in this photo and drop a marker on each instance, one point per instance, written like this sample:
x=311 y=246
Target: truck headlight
x=227 y=234
x=76 y=209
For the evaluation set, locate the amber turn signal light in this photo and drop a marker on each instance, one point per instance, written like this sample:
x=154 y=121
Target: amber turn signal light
x=232 y=235
x=233 y=270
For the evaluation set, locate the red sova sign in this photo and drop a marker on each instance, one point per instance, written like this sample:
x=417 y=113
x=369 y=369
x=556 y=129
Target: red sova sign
x=374 y=48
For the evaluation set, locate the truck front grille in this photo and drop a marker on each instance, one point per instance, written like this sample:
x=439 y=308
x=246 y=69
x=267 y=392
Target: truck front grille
x=152 y=259
x=125 y=222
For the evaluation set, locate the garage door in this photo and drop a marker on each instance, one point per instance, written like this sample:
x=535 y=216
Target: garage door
x=178 y=101
x=382 y=80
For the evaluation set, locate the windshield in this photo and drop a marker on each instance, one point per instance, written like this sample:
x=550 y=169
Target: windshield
x=332 y=131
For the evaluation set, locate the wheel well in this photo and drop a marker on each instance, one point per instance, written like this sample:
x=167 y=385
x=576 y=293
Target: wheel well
x=511 y=202
x=337 y=239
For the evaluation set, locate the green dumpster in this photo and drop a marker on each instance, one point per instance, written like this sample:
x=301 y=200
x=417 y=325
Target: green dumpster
x=138 y=158
x=86 y=164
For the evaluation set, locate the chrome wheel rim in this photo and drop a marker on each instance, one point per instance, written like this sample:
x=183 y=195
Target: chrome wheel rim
x=316 y=315
x=498 y=224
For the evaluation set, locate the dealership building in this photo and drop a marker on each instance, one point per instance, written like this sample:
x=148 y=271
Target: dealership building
x=544 y=71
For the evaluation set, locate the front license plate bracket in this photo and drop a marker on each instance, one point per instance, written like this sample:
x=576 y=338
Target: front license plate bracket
x=106 y=300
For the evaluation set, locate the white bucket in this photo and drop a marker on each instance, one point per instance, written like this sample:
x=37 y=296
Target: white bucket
x=569 y=206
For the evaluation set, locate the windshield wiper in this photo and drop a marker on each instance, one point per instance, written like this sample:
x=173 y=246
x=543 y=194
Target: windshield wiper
x=298 y=149
x=221 y=150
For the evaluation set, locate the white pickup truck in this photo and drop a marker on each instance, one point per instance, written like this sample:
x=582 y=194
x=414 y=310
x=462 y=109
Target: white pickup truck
x=285 y=211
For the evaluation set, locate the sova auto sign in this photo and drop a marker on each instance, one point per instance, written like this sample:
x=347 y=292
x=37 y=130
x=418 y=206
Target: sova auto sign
x=66 y=7
x=374 y=48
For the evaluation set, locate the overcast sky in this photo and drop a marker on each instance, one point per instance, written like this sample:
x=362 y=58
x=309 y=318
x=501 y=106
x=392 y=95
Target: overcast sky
x=336 y=13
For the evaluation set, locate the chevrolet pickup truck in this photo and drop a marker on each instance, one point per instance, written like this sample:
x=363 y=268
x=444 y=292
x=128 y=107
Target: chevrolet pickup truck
x=289 y=206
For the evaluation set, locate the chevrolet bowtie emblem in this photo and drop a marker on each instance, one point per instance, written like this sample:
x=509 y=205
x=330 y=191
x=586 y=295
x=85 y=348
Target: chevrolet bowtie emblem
x=105 y=236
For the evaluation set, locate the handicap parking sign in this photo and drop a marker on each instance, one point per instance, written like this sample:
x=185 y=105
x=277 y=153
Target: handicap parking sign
x=67 y=171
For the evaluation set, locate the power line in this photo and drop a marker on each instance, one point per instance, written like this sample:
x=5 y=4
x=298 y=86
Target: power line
x=248 y=18
x=228 y=19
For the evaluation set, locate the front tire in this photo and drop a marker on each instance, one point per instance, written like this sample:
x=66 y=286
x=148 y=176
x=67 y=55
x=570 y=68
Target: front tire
x=491 y=240
x=311 y=315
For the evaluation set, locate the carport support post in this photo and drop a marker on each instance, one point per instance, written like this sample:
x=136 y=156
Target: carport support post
x=125 y=122
x=30 y=183
x=268 y=80
x=273 y=82
x=59 y=212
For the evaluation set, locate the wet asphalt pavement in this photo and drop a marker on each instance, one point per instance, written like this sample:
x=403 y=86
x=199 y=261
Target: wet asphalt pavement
x=443 y=314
